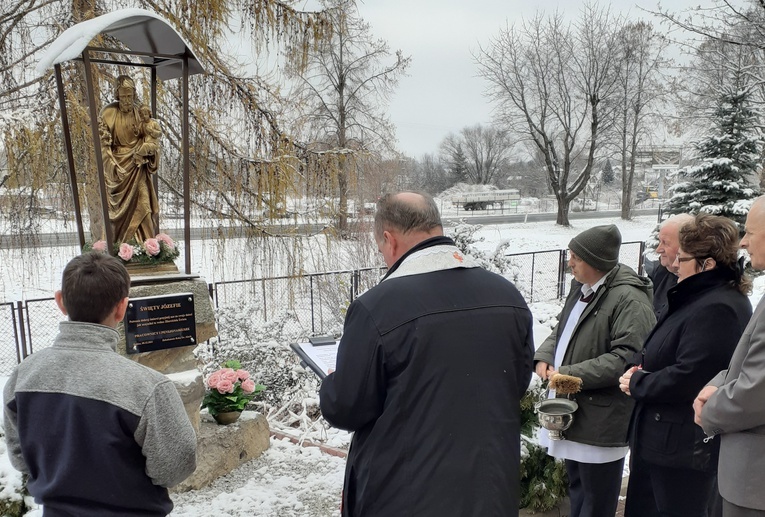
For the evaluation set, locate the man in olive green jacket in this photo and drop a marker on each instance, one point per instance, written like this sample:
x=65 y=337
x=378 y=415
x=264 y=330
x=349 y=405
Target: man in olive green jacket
x=604 y=322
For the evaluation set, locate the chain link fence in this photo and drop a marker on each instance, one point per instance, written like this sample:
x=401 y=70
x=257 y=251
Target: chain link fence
x=10 y=338
x=545 y=275
x=315 y=303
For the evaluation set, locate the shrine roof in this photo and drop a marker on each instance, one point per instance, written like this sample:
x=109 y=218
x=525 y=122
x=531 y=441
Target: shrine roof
x=138 y=29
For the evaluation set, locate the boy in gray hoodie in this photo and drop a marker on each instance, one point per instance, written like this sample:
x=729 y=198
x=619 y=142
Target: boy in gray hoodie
x=97 y=434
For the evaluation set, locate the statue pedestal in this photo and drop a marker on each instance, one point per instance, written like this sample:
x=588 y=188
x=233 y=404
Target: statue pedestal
x=177 y=363
x=141 y=270
x=191 y=388
x=222 y=448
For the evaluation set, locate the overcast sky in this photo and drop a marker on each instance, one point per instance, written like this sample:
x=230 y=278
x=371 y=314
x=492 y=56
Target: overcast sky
x=441 y=93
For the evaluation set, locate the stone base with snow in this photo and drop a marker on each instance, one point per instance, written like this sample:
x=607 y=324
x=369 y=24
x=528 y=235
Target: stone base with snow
x=223 y=448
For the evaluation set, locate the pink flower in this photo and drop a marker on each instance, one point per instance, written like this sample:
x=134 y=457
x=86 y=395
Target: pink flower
x=163 y=237
x=248 y=386
x=229 y=374
x=225 y=386
x=152 y=247
x=126 y=252
x=242 y=374
x=100 y=246
x=214 y=379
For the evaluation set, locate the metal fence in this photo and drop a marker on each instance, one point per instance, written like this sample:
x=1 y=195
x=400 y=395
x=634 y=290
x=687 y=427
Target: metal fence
x=544 y=275
x=315 y=302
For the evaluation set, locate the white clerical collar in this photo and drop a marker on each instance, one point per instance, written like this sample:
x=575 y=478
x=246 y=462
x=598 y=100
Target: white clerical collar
x=433 y=258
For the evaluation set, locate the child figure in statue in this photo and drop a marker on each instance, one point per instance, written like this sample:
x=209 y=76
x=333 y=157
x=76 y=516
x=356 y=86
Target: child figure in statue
x=150 y=132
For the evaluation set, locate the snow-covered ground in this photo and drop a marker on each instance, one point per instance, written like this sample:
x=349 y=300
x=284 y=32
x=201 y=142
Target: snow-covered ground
x=290 y=480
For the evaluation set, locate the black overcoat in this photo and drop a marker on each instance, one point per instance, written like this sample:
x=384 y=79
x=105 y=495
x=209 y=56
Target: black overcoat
x=693 y=340
x=430 y=372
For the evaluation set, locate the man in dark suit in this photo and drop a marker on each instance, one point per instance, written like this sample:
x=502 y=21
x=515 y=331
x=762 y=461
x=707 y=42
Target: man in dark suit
x=431 y=368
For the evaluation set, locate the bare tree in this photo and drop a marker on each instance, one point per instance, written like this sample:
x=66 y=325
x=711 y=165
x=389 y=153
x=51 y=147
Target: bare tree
x=428 y=173
x=548 y=80
x=723 y=21
x=345 y=87
x=640 y=66
x=485 y=151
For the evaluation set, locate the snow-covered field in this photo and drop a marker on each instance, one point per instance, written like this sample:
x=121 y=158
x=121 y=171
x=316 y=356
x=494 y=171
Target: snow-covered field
x=289 y=480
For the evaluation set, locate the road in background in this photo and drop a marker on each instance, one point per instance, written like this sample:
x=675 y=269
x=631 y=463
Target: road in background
x=70 y=238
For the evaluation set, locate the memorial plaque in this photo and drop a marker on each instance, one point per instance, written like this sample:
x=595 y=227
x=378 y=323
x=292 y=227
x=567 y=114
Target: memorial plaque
x=158 y=322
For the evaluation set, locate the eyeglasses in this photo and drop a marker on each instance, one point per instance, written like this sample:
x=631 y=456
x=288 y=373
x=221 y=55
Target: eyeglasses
x=680 y=259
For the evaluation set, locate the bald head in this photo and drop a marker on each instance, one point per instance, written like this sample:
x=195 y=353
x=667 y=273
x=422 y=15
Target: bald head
x=676 y=221
x=402 y=221
x=669 y=239
x=407 y=212
x=759 y=203
x=754 y=238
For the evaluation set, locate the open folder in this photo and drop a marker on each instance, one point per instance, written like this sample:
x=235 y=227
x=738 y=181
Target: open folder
x=318 y=353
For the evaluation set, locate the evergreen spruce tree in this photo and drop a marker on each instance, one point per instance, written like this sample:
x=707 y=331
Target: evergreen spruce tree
x=722 y=183
x=608 y=172
x=458 y=166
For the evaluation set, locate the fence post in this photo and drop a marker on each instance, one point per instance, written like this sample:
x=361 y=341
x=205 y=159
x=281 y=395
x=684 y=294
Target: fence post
x=641 y=259
x=313 y=317
x=28 y=324
x=21 y=338
x=265 y=306
x=18 y=337
x=562 y=274
x=533 y=261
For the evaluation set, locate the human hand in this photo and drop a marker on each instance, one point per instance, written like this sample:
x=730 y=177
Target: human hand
x=701 y=399
x=624 y=380
x=543 y=370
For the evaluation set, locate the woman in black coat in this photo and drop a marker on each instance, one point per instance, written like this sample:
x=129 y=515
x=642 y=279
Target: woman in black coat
x=672 y=466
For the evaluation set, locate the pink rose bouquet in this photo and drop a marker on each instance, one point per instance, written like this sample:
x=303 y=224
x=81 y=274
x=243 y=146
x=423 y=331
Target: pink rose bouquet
x=229 y=389
x=154 y=250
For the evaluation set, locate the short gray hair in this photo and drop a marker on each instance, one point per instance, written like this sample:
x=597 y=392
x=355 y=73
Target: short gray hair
x=406 y=216
x=677 y=220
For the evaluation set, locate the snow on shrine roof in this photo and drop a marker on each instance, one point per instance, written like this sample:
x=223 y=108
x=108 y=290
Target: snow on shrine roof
x=140 y=30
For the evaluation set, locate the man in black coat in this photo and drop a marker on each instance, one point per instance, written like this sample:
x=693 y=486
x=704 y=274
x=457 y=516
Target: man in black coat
x=661 y=272
x=431 y=368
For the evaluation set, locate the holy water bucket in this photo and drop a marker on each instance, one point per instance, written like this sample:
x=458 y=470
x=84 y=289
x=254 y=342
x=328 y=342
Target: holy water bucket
x=556 y=415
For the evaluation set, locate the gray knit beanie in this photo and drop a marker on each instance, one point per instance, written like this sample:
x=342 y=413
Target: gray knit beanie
x=598 y=246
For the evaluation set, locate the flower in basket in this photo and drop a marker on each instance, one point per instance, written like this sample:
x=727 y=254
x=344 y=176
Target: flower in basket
x=229 y=389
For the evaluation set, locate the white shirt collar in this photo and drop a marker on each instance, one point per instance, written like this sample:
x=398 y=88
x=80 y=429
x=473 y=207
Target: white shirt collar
x=587 y=289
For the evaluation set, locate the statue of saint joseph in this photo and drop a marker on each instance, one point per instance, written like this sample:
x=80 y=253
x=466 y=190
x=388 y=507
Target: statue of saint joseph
x=130 y=150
